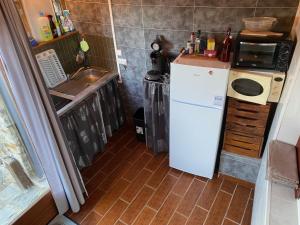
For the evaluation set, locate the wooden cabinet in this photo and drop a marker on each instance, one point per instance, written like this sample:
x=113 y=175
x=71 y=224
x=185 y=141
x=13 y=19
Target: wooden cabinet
x=245 y=127
x=40 y=213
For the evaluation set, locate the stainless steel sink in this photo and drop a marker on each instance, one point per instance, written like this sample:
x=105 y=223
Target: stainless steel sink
x=80 y=80
x=90 y=75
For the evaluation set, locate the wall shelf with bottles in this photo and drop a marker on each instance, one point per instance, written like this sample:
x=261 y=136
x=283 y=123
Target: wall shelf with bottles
x=45 y=43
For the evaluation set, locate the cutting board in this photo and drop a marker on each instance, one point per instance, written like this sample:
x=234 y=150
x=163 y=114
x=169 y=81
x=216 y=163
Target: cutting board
x=261 y=33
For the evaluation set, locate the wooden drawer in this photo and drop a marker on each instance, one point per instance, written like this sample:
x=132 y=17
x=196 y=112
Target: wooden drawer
x=248 y=129
x=247 y=117
x=235 y=103
x=243 y=144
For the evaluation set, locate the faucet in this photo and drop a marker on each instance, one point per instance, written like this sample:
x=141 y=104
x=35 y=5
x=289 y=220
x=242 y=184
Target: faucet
x=74 y=75
x=81 y=59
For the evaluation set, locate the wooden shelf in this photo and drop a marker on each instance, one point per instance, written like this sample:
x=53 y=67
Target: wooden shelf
x=64 y=36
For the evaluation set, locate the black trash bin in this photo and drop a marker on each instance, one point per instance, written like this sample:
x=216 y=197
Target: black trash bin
x=139 y=121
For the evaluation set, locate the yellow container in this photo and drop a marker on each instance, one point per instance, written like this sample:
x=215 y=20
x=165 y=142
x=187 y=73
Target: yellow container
x=211 y=44
x=45 y=33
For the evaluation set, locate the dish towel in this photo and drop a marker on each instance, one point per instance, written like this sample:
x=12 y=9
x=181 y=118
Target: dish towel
x=282 y=164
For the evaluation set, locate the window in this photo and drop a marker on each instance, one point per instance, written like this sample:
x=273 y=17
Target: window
x=22 y=181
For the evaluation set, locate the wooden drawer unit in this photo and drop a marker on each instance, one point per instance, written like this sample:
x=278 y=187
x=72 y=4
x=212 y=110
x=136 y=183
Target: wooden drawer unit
x=245 y=127
x=243 y=144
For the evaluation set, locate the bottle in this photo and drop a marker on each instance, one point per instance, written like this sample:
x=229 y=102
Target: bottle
x=45 y=33
x=198 y=35
x=64 y=28
x=59 y=33
x=58 y=20
x=68 y=25
x=193 y=37
x=197 y=46
x=190 y=48
x=211 y=44
x=52 y=26
x=226 y=47
x=203 y=44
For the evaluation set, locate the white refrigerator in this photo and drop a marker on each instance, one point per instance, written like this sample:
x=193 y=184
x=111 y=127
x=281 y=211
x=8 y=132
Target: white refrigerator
x=198 y=89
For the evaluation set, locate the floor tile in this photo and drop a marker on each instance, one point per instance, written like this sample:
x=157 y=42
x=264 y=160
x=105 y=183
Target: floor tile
x=190 y=198
x=219 y=208
x=137 y=167
x=109 y=198
x=128 y=184
x=248 y=213
x=92 y=219
x=137 y=205
x=136 y=185
x=228 y=186
x=175 y=172
x=88 y=206
x=114 y=213
x=114 y=177
x=238 y=204
x=209 y=193
x=145 y=216
x=155 y=162
x=95 y=182
x=166 y=211
x=119 y=223
x=183 y=184
x=159 y=174
x=177 y=219
x=162 y=192
x=197 y=217
x=228 y=222
x=89 y=172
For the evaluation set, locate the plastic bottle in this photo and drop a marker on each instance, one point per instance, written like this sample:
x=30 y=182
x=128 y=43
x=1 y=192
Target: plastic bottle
x=67 y=24
x=197 y=46
x=211 y=44
x=58 y=29
x=45 y=33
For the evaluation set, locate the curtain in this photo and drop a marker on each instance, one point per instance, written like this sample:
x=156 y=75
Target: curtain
x=112 y=108
x=156 y=108
x=88 y=125
x=37 y=112
x=85 y=131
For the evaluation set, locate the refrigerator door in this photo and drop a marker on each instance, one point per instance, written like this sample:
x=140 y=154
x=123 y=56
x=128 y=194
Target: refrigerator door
x=199 y=85
x=194 y=138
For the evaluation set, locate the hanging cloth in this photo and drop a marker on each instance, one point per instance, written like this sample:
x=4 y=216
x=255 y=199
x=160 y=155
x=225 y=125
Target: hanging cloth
x=156 y=107
x=30 y=94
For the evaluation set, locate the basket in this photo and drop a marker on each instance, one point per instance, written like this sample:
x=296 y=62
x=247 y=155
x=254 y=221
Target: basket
x=259 y=23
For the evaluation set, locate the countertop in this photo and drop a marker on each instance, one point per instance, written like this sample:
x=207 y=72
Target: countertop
x=91 y=88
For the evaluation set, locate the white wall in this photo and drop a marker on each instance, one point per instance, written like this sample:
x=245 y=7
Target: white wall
x=285 y=127
x=288 y=124
x=32 y=9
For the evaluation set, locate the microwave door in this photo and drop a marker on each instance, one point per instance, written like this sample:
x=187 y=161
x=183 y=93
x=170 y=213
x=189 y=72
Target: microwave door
x=258 y=55
x=255 y=89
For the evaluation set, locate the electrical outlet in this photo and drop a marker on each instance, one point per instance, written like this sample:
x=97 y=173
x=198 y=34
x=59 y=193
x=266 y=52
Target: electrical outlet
x=122 y=61
x=119 y=52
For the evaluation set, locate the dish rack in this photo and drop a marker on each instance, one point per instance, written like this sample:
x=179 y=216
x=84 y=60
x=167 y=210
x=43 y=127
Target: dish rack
x=51 y=68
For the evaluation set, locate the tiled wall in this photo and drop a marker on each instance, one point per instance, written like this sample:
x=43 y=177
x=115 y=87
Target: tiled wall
x=137 y=22
x=66 y=49
x=91 y=18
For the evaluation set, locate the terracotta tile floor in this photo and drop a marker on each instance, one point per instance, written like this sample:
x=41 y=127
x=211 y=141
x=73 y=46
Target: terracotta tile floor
x=127 y=184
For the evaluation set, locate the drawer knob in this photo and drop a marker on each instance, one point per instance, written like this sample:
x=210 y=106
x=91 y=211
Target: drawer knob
x=210 y=72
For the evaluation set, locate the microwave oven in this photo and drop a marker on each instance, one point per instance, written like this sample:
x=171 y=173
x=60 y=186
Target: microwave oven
x=257 y=87
x=269 y=53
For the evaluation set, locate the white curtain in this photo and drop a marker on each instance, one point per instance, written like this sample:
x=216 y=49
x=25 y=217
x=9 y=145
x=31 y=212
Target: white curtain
x=24 y=80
